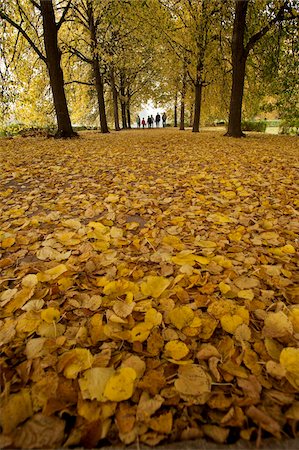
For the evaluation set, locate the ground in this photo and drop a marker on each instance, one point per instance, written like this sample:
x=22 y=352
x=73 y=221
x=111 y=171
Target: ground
x=148 y=288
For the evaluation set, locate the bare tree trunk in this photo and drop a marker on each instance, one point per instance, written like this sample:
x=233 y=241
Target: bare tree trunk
x=176 y=110
x=100 y=96
x=115 y=99
x=123 y=115
x=128 y=115
x=191 y=115
x=96 y=69
x=123 y=101
x=197 y=106
x=239 y=57
x=183 y=96
x=55 y=72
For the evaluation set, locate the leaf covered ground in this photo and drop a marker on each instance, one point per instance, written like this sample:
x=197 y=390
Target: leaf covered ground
x=148 y=289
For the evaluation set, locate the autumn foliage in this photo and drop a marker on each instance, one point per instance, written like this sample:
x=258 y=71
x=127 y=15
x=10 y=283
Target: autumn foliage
x=148 y=289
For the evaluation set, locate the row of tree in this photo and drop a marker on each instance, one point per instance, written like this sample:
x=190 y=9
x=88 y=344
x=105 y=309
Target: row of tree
x=124 y=52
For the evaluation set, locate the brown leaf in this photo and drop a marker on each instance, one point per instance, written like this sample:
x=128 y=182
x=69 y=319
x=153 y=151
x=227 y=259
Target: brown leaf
x=40 y=432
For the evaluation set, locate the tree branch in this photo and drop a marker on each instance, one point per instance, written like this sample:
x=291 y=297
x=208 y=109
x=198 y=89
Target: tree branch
x=23 y=32
x=35 y=4
x=85 y=83
x=62 y=18
x=280 y=16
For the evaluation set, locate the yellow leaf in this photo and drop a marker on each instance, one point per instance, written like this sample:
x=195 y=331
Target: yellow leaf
x=223 y=261
x=50 y=314
x=224 y=288
x=181 y=316
x=289 y=359
x=228 y=194
x=176 y=349
x=30 y=281
x=294 y=318
x=153 y=317
x=74 y=361
x=220 y=307
x=219 y=218
x=173 y=241
x=93 y=382
x=247 y=294
x=121 y=385
x=72 y=223
x=230 y=323
x=19 y=299
x=14 y=410
x=52 y=254
x=154 y=286
x=141 y=332
x=116 y=233
x=277 y=325
x=52 y=274
x=112 y=198
x=201 y=259
x=205 y=244
x=184 y=257
x=288 y=249
x=235 y=236
x=8 y=242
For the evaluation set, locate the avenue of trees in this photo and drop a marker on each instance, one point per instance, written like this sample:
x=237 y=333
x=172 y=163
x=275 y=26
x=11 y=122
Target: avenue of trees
x=94 y=62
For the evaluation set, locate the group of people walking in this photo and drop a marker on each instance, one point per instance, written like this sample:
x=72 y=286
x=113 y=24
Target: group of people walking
x=151 y=120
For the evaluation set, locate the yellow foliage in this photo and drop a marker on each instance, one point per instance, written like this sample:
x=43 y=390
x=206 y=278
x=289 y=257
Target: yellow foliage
x=50 y=314
x=120 y=386
x=230 y=323
x=181 y=317
x=176 y=349
x=154 y=286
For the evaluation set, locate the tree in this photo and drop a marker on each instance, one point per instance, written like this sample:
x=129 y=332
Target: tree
x=52 y=57
x=240 y=52
x=83 y=42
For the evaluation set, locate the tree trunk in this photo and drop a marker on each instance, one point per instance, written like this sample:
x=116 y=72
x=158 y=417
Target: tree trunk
x=55 y=72
x=239 y=57
x=115 y=99
x=99 y=85
x=128 y=115
x=182 y=116
x=123 y=114
x=123 y=100
x=183 y=96
x=191 y=115
x=100 y=95
x=197 y=106
x=176 y=110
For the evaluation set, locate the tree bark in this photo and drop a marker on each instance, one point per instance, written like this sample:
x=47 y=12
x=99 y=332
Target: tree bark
x=197 y=106
x=53 y=57
x=191 y=115
x=99 y=85
x=123 y=101
x=128 y=115
x=176 y=110
x=183 y=96
x=115 y=99
x=239 y=57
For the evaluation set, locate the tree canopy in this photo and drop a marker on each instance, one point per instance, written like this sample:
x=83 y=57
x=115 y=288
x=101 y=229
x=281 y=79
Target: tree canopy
x=115 y=55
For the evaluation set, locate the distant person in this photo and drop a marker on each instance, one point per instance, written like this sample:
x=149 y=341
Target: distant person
x=158 y=118
x=149 y=122
x=138 y=121
x=152 y=121
x=164 y=119
x=143 y=122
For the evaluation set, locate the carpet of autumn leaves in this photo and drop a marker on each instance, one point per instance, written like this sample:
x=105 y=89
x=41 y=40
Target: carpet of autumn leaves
x=148 y=289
